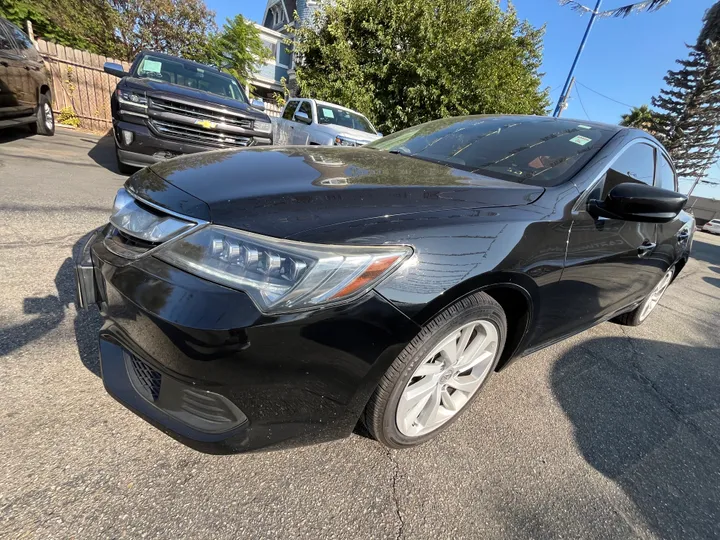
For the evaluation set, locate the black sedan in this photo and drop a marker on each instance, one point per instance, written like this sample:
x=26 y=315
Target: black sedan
x=280 y=296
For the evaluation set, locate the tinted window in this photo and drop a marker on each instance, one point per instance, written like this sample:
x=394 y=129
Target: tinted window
x=20 y=38
x=306 y=108
x=665 y=174
x=5 y=43
x=175 y=71
x=290 y=110
x=529 y=149
x=636 y=164
x=343 y=118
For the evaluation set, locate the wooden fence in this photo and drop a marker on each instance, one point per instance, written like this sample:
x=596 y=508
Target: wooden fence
x=78 y=81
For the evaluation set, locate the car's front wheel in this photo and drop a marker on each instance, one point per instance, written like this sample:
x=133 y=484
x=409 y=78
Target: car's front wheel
x=438 y=374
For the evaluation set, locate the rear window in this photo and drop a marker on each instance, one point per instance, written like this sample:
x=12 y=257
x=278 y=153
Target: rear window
x=540 y=151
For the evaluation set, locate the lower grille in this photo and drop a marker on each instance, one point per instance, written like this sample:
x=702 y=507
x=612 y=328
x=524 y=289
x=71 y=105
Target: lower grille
x=145 y=379
x=186 y=133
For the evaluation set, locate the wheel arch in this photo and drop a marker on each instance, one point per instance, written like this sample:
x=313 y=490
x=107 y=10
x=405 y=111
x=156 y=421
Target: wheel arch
x=45 y=90
x=514 y=293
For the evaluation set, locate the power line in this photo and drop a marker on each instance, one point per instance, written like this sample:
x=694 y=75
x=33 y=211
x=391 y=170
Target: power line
x=603 y=95
x=577 y=91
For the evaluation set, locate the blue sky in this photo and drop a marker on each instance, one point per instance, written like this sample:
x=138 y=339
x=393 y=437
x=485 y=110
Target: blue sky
x=624 y=59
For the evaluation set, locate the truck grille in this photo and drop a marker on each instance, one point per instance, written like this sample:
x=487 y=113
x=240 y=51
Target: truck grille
x=201 y=113
x=184 y=132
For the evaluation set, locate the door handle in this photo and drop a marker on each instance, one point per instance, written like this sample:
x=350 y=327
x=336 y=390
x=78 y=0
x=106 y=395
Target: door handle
x=646 y=248
x=27 y=68
x=4 y=63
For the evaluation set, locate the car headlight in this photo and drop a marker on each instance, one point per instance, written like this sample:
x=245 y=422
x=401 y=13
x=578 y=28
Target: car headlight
x=263 y=127
x=126 y=97
x=344 y=140
x=282 y=275
x=142 y=222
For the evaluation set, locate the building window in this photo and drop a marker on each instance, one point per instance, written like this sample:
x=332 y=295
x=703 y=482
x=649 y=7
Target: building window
x=271 y=46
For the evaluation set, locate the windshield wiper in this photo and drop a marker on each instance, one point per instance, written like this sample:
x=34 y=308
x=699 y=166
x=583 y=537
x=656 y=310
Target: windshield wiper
x=402 y=151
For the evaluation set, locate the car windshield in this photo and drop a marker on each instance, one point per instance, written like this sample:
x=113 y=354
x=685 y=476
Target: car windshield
x=175 y=71
x=535 y=150
x=340 y=117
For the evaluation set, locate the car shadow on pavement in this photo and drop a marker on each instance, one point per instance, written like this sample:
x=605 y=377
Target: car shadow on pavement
x=646 y=414
x=14 y=133
x=103 y=153
x=50 y=311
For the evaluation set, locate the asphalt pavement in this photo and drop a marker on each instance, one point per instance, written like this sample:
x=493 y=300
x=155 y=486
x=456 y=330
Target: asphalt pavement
x=614 y=433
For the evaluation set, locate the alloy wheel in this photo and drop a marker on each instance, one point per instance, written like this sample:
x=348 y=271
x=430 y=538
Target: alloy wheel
x=48 y=116
x=656 y=295
x=447 y=378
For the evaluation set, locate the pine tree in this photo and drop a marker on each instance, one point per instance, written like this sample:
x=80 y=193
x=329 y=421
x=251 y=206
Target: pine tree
x=689 y=121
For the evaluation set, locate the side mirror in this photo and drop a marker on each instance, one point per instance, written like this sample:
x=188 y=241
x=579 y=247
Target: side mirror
x=116 y=70
x=638 y=202
x=258 y=104
x=303 y=117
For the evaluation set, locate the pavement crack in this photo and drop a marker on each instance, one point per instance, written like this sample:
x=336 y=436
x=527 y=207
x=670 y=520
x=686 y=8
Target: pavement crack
x=396 y=499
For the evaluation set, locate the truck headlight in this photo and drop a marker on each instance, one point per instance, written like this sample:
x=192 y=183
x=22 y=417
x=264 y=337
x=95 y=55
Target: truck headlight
x=282 y=275
x=344 y=140
x=137 y=99
x=263 y=127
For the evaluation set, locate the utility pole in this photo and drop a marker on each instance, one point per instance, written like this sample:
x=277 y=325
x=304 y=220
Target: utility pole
x=624 y=11
x=566 y=88
x=563 y=104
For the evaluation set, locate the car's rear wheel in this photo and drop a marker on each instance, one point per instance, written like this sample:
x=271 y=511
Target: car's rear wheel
x=45 y=119
x=439 y=374
x=637 y=316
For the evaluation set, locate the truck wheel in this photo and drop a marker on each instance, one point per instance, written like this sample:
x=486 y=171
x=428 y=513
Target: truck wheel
x=45 y=119
x=439 y=374
x=122 y=167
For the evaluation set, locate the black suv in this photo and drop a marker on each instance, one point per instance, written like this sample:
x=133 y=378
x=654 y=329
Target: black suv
x=25 y=97
x=167 y=106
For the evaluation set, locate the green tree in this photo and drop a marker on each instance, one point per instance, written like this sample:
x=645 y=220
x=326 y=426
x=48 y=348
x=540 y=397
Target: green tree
x=82 y=24
x=641 y=118
x=178 y=27
x=403 y=62
x=237 y=49
x=689 y=118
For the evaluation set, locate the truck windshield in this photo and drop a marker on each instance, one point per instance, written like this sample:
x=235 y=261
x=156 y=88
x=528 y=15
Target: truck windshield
x=535 y=150
x=343 y=118
x=175 y=71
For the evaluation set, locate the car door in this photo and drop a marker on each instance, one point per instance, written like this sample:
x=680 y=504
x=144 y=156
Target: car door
x=283 y=123
x=30 y=69
x=300 y=132
x=9 y=82
x=672 y=237
x=610 y=263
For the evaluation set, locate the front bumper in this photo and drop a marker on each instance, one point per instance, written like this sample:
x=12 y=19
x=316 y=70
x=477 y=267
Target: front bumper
x=287 y=380
x=147 y=148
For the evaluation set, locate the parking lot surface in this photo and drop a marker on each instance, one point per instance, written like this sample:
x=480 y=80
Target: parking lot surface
x=614 y=433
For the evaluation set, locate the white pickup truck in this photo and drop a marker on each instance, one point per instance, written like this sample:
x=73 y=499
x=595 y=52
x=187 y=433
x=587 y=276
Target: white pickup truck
x=309 y=121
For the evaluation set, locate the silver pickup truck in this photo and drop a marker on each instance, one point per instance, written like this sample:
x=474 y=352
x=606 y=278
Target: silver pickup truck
x=309 y=121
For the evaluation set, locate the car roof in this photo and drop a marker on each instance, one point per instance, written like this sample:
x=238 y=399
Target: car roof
x=184 y=60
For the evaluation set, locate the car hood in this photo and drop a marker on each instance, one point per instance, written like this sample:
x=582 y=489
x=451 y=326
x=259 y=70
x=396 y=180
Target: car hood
x=355 y=134
x=163 y=89
x=282 y=191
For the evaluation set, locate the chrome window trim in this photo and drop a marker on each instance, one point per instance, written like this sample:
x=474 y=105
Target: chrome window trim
x=582 y=200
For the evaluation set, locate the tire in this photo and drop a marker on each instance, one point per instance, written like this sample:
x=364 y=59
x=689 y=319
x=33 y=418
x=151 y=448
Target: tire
x=390 y=421
x=122 y=167
x=638 y=315
x=45 y=118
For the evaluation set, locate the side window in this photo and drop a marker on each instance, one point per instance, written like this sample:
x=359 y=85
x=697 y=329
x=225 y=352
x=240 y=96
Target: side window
x=20 y=38
x=665 y=175
x=635 y=164
x=5 y=43
x=290 y=110
x=306 y=108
